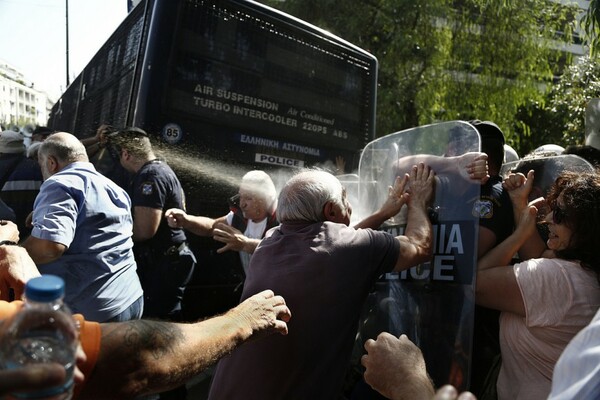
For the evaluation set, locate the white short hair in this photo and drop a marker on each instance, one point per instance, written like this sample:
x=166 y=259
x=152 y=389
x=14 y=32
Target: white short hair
x=306 y=193
x=260 y=183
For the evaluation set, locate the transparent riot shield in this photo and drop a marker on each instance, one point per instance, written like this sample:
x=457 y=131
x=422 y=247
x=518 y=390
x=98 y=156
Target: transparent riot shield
x=431 y=303
x=350 y=183
x=546 y=170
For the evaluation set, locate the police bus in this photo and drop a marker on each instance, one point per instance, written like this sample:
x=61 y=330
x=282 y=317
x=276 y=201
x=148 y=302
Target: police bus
x=225 y=86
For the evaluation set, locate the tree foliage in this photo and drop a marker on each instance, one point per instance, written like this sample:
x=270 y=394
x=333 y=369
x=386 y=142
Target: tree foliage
x=561 y=118
x=591 y=26
x=569 y=98
x=445 y=60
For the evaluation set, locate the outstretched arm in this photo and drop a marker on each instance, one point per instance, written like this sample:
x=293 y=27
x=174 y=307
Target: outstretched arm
x=396 y=199
x=94 y=143
x=470 y=166
x=201 y=226
x=145 y=356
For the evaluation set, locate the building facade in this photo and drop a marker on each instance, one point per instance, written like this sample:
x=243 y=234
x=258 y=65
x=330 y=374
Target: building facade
x=20 y=102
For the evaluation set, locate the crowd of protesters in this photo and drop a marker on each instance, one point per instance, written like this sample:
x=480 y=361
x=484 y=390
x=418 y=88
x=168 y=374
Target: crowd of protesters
x=122 y=249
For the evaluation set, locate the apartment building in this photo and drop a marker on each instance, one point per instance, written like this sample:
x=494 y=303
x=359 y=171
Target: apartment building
x=20 y=102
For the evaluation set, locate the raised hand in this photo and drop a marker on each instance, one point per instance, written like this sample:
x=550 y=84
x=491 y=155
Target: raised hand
x=421 y=185
x=397 y=197
x=519 y=188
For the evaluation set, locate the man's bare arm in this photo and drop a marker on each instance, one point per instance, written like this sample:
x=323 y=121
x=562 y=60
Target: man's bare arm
x=394 y=366
x=470 y=166
x=145 y=356
x=146 y=221
x=393 y=204
x=198 y=225
x=43 y=251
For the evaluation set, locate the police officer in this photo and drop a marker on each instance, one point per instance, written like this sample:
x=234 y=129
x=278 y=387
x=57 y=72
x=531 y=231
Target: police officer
x=165 y=262
x=496 y=223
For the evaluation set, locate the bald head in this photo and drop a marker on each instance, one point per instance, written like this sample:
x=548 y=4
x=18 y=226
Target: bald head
x=65 y=147
x=304 y=195
x=59 y=150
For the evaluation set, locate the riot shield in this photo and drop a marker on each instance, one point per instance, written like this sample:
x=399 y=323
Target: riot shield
x=350 y=183
x=546 y=170
x=432 y=303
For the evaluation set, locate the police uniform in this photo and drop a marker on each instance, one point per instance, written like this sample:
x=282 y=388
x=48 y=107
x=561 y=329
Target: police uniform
x=494 y=209
x=20 y=190
x=495 y=212
x=165 y=262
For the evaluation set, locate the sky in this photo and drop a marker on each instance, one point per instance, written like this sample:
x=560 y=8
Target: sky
x=34 y=39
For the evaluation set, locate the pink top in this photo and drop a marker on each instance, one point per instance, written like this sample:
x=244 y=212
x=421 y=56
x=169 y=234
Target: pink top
x=560 y=299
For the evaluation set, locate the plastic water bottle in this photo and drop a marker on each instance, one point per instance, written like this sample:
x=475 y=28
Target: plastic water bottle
x=44 y=331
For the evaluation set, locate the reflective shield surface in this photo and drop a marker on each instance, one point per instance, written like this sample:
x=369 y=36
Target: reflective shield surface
x=432 y=303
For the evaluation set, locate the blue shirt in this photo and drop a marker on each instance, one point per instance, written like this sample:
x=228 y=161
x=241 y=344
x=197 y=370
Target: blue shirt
x=91 y=215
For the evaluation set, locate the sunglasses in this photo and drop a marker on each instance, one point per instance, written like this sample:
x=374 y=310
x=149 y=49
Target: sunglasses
x=558 y=214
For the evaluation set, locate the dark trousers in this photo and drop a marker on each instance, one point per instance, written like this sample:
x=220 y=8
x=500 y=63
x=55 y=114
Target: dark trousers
x=164 y=274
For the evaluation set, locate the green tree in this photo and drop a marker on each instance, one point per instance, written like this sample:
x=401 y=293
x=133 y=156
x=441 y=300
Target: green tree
x=591 y=26
x=560 y=119
x=569 y=98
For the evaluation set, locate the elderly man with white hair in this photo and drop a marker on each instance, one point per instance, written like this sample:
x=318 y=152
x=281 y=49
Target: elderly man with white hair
x=326 y=268
x=245 y=225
